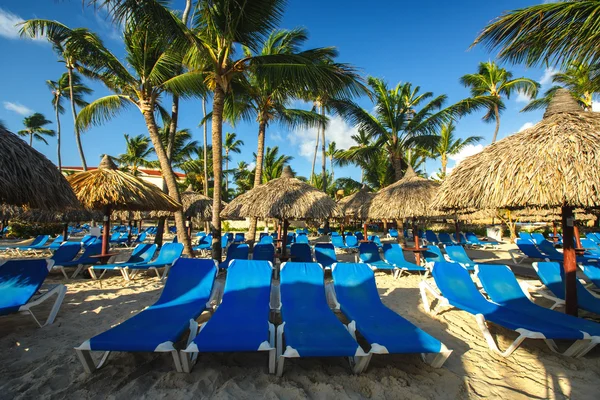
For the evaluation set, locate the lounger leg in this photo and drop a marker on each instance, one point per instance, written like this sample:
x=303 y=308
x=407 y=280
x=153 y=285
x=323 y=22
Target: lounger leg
x=77 y=271
x=165 y=272
x=272 y=352
x=360 y=363
x=62 y=269
x=492 y=343
x=125 y=273
x=177 y=360
x=61 y=291
x=93 y=273
x=280 y=358
x=438 y=359
x=157 y=273
x=589 y=347
x=85 y=356
x=424 y=287
x=575 y=350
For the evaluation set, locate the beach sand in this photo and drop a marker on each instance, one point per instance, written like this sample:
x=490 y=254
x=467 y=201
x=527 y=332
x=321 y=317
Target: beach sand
x=41 y=363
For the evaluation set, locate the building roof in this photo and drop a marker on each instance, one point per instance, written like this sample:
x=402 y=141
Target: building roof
x=146 y=171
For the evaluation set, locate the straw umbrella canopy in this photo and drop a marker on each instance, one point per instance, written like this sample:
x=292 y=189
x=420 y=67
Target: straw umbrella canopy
x=410 y=197
x=28 y=178
x=553 y=164
x=283 y=198
x=354 y=205
x=108 y=189
x=64 y=217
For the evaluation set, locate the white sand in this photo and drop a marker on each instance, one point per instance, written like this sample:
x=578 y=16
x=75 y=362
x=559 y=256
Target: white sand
x=38 y=363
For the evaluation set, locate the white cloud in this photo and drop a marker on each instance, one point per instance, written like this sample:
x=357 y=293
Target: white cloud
x=8 y=25
x=251 y=166
x=526 y=125
x=18 y=108
x=548 y=74
x=467 y=151
x=275 y=136
x=111 y=30
x=338 y=131
x=522 y=98
x=596 y=106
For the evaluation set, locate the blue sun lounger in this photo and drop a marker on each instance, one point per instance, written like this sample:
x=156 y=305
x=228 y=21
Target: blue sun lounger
x=142 y=253
x=548 y=249
x=368 y=253
x=527 y=250
x=264 y=252
x=37 y=243
x=445 y=239
x=67 y=252
x=387 y=332
x=458 y=290
x=235 y=251
x=351 y=242
x=168 y=254
x=325 y=255
x=457 y=254
x=473 y=240
x=187 y=293
x=310 y=328
x=375 y=239
x=591 y=248
x=83 y=260
x=241 y=322
x=432 y=255
x=502 y=287
x=392 y=233
x=338 y=242
x=592 y=272
x=551 y=274
x=20 y=282
x=431 y=237
x=393 y=254
x=301 y=252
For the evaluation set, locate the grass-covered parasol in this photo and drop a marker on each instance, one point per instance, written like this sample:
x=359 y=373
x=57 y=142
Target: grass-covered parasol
x=553 y=164
x=108 y=189
x=28 y=178
x=283 y=198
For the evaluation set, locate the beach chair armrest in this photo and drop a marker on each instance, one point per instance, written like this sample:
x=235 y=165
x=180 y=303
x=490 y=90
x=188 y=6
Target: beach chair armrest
x=540 y=290
x=331 y=296
x=275 y=302
x=426 y=288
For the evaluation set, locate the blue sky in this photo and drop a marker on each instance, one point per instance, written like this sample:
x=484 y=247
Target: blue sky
x=425 y=43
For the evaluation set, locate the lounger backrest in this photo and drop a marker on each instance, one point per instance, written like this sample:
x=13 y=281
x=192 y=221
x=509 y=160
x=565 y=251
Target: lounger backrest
x=351 y=241
x=141 y=237
x=549 y=249
x=456 y=285
x=237 y=251
x=472 y=238
x=591 y=271
x=550 y=275
x=501 y=285
x=248 y=284
x=114 y=236
x=368 y=252
x=91 y=250
x=57 y=241
x=168 y=253
x=529 y=249
x=393 y=232
x=445 y=238
x=263 y=252
x=302 y=239
x=334 y=233
x=538 y=237
x=433 y=254
x=190 y=280
x=267 y=239
x=431 y=236
x=590 y=246
x=355 y=284
x=301 y=252
x=593 y=237
x=392 y=252
x=325 y=254
x=19 y=281
x=359 y=236
x=66 y=252
x=525 y=236
x=239 y=237
x=142 y=253
x=337 y=241
x=225 y=241
x=457 y=253
x=302 y=287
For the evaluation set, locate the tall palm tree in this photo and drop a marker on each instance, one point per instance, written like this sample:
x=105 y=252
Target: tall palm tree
x=154 y=70
x=34 y=128
x=449 y=145
x=332 y=151
x=61 y=89
x=74 y=46
x=491 y=84
x=404 y=118
x=232 y=145
x=551 y=33
x=578 y=78
x=197 y=171
x=136 y=153
x=243 y=177
x=274 y=163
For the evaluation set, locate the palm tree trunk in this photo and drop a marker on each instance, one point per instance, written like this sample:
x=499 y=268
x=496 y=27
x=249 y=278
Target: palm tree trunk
x=312 y=170
x=331 y=163
x=497 y=114
x=77 y=133
x=168 y=175
x=444 y=161
x=205 y=156
x=58 y=158
x=260 y=154
x=173 y=126
x=31 y=140
x=217 y=144
x=226 y=169
x=397 y=165
x=323 y=155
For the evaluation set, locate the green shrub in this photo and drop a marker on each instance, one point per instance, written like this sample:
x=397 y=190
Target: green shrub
x=29 y=230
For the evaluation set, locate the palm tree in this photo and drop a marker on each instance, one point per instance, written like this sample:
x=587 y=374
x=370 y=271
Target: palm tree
x=34 y=128
x=197 y=171
x=332 y=151
x=578 y=78
x=75 y=46
x=61 y=89
x=490 y=84
x=232 y=145
x=449 y=145
x=274 y=163
x=155 y=70
x=396 y=124
x=137 y=152
x=243 y=177
x=546 y=33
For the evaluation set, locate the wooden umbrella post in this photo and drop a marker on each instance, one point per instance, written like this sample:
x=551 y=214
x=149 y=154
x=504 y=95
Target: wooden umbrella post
x=365 y=231
x=189 y=226
x=570 y=261
x=129 y=235
x=65 y=231
x=416 y=237
x=555 y=232
x=106 y=231
x=284 y=238
x=577 y=237
x=457 y=228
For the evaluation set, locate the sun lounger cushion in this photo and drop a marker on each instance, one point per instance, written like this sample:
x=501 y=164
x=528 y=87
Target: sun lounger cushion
x=19 y=281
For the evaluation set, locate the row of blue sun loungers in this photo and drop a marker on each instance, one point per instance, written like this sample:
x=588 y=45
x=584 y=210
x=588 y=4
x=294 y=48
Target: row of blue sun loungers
x=240 y=321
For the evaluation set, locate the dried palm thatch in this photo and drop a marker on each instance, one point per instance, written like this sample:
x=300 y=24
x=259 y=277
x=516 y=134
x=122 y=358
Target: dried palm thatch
x=524 y=215
x=8 y=211
x=109 y=187
x=354 y=204
x=194 y=205
x=28 y=178
x=552 y=164
x=410 y=197
x=124 y=215
x=283 y=198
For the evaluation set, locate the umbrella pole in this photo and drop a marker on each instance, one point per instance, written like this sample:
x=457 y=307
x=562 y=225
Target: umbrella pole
x=577 y=237
x=284 y=238
x=416 y=237
x=129 y=235
x=555 y=232
x=65 y=231
x=105 y=232
x=570 y=261
x=189 y=226
x=365 y=231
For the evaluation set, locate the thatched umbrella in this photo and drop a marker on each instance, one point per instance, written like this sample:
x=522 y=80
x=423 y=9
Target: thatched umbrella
x=108 y=189
x=28 y=178
x=553 y=164
x=283 y=198
x=410 y=197
x=354 y=205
